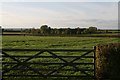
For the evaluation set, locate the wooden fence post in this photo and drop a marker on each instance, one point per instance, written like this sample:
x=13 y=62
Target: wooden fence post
x=94 y=62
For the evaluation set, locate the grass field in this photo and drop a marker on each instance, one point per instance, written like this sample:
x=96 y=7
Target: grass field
x=38 y=42
x=54 y=42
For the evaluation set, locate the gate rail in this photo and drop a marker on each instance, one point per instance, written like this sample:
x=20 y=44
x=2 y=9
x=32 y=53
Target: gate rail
x=16 y=64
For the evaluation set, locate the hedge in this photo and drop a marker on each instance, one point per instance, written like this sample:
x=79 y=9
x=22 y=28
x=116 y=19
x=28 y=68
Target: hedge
x=108 y=61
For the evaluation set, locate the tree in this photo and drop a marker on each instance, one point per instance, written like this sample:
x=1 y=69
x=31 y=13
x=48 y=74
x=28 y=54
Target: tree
x=92 y=30
x=78 y=31
x=33 y=31
x=45 y=30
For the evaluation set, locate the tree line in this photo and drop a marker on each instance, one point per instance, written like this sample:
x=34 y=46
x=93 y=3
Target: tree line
x=46 y=30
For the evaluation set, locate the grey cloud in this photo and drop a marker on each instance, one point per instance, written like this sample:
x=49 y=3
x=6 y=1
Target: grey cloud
x=98 y=20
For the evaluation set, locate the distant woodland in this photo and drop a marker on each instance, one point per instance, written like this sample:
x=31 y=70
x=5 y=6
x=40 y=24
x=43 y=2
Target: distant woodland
x=46 y=30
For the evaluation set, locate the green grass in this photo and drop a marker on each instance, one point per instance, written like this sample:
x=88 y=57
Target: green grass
x=54 y=42
x=38 y=42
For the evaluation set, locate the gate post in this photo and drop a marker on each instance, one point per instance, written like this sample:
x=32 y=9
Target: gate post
x=94 y=62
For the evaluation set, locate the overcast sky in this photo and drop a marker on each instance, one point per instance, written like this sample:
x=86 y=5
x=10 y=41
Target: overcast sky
x=103 y=15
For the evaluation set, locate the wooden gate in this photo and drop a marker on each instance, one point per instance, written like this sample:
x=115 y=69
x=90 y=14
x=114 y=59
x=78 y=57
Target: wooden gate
x=48 y=63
